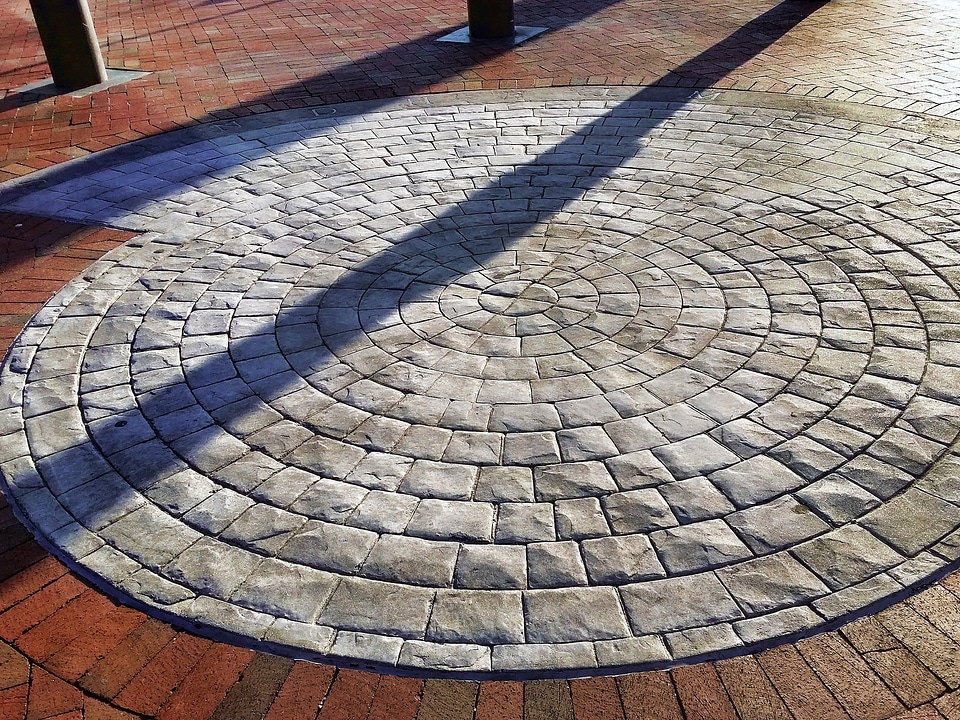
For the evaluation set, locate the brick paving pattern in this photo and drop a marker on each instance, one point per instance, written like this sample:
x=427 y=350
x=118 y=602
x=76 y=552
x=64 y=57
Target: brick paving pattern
x=787 y=214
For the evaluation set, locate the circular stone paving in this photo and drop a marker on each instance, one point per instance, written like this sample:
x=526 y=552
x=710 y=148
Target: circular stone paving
x=487 y=383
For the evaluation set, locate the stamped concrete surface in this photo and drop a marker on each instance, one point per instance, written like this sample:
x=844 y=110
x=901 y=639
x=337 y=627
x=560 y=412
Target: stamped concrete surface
x=512 y=382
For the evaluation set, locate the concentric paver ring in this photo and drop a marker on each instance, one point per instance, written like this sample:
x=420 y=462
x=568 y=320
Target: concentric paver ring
x=488 y=384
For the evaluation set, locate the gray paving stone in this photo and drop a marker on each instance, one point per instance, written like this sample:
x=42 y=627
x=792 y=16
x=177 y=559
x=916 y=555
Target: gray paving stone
x=282 y=488
x=572 y=480
x=102 y=501
x=212 y=567
x=701 y=641
x=181 y=491
x=531 y=448
x=846 y=556
x=477 y=616
x=776 y=525
x=631 y=651
x=807 y=458
x=525 y=522
x=491 y=567
x=770 y=583
x=555 y=564
x=634 y=434
x=285 y=590
x=637 y=511
x=443 y=480
x=327 y=457
x=695 y=499
x=384 y=512
x=474 y=447
x=504 y=484
x=621 y=559
x=452 y=520
x=307 y=636
x=357 y=604
x=573 y=615
x=445 y=656
x=586 y=443
x=671 y=604
x=637 y=470
x=329 y=500
x=880 y=478
x=856 y=597
x=380 y=471
x=536 y=417
x=150 y=536
x=911 y=521
x=150 y=587
x=699 y=455
x=552 y=657
x=72 y=467
x=906 y=451
x=218 y=511
x=837 y=499
x=580 y=518
x=366 y=646
x=325 y=546
x=410 y=560
x=776 y=624
x=699 y=546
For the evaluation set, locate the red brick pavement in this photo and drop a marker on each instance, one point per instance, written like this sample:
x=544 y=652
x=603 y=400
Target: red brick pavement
x=68 y=652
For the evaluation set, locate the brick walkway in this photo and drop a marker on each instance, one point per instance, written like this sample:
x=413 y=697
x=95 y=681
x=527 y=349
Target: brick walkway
x=221 y=60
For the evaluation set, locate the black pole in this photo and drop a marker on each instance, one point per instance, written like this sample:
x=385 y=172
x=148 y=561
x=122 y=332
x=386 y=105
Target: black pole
x=490 y=19
x=70 y=43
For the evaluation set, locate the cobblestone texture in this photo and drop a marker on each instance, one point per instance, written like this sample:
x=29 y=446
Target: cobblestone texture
x=383 y=353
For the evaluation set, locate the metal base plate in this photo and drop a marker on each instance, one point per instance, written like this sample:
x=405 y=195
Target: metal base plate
x=521 y=33
x=46 y=88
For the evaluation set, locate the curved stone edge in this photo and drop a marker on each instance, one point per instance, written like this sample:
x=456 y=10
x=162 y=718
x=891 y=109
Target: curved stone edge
x=90 y=557
x=360 y=647
x=126 y=579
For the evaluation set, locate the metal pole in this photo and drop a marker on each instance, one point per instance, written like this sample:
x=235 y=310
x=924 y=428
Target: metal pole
x=70 y=43
x=490 y=19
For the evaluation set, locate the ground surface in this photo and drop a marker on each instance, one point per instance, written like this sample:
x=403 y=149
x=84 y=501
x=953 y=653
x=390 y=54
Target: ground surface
x=576 y=350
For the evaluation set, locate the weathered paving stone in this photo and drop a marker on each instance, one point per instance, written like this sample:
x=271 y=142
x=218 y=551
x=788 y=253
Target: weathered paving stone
x=755 y=480
x=579 y=519
x=770 y=583
x=477 y=616
x=698 y=546
x=846 y=556
x=433 y=398
x=451 y=519
x=620 y=559
x=411 y=560
x=525 y=522
x=676 y=603
x=286 y=590
x=555 y=564
x=776 y=525
x=558 y=482
x=326 y=546
x=357 y=604
x=491 y=567
x=573 y=614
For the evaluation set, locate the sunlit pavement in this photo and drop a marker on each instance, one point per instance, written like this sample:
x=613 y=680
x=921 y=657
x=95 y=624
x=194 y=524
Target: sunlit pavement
x=486 y=389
